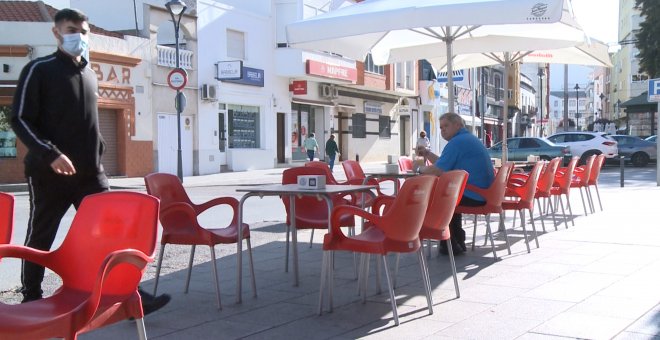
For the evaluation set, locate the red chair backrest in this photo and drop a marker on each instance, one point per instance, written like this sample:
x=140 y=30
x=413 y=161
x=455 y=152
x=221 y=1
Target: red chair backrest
x=584 y=175
x=403 y=220
x=6 y=217
x=447 y=192
x=563 y=178
x=495 y=193
x=353 y=170
x=405 y=164
x=104 y=223
x=528 y=189
x=167 y=188
x=307 y=207
x=547 y=177
x=329 y=177
x=595 y=169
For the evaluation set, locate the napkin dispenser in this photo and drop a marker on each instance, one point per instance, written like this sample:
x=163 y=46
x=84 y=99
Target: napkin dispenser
x=311 y=182
x=392 y=168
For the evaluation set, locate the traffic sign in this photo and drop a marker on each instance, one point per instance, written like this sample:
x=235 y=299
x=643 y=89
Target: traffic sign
x=177 y=79
x=654 y=90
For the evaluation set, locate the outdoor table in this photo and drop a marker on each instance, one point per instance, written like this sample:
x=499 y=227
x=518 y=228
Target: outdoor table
x=290 y=190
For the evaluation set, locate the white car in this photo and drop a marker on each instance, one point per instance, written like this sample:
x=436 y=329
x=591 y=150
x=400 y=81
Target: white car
x=584 y=144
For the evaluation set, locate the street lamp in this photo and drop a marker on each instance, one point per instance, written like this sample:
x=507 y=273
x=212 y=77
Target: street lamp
x=577 y=107
x=541 y=74
x=177 y=8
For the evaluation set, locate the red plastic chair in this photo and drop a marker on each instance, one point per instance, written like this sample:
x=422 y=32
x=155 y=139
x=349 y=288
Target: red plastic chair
x=178 y=216
x=447 y=192
x=562 y=186
x=6 y=217
x=405 y=164
x=397 y=230
x=543 y=188
x=593 y=178
x=520 y=196
x=580 y=180
x=100 y=261
x=355 y=175
x=494 y=196
x=311 y=213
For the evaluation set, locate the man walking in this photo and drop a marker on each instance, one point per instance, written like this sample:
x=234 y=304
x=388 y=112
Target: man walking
x=331 y=150
x=55 y=115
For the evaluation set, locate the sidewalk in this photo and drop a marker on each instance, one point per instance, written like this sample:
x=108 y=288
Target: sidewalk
x=595 y=280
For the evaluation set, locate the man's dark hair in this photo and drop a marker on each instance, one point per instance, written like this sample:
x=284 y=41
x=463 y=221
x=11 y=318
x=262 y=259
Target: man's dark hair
x=70 y=14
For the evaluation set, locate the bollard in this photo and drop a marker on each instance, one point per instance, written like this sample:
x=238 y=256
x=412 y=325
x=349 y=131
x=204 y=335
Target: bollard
x=357 y=157
x=621 y=163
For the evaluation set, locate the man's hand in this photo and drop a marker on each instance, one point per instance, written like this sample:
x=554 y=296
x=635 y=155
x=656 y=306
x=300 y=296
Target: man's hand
x=62 y=166
x=421 y=151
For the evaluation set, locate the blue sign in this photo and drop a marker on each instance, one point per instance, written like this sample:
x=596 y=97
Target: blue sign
x=654 y=90
x=442 y=76
x=250 y=76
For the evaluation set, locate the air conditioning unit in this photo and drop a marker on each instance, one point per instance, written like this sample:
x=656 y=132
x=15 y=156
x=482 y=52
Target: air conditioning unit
x=329 y=91
x=209 y=92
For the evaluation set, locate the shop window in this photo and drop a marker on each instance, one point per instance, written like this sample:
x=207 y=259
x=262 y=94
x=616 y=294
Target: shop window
x=236 y=44
x=370 y=67
x=7 y=136
x=359 y=121
x=384 y=129
x=404 y=75
x=243 y=127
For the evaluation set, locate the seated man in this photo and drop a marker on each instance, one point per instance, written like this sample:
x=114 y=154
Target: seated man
x=463 y=151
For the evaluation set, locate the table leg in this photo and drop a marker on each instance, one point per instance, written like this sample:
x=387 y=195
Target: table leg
x=239 y=250
x=294 y=237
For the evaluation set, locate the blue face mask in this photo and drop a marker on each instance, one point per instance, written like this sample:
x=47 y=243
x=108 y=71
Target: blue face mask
x=75 y=44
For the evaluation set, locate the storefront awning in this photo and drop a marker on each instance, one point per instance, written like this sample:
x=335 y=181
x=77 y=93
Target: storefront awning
x=320 y=103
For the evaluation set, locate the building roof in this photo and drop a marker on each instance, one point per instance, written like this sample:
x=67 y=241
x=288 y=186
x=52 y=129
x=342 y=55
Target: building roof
x=37 y=11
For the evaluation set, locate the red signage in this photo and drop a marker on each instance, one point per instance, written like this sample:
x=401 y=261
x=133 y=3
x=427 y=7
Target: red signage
x=318 y=68
x=298 y=87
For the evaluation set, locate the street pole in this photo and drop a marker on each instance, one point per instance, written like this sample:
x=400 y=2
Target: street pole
x=577 y=107
x=177 y=7
x=541 y=99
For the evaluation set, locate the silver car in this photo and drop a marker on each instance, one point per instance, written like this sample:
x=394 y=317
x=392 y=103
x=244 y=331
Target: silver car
x=636 y=150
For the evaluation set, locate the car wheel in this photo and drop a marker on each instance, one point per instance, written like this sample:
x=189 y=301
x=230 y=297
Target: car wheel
x=545 y=158
x=585 y=156
x=640 y=159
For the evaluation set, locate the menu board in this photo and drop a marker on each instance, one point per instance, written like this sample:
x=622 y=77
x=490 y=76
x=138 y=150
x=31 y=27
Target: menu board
x=243 y=129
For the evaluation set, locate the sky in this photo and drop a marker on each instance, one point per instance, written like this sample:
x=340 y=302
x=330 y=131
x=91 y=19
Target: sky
x=599 y=18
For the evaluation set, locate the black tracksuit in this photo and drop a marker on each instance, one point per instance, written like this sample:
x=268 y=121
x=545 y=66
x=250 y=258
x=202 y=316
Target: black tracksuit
x=55 y=112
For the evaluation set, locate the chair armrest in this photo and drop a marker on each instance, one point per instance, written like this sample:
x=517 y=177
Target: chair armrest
x=117 y=257
x=231 y=201
x=381 y=202
x=482 y=192
x=39 y=257
x=338 y=212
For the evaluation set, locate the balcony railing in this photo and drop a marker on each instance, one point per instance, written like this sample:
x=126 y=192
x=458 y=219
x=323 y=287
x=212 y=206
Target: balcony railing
x=167 y=57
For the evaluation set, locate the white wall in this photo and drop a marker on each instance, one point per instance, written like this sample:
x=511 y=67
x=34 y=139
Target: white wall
x=255 y=20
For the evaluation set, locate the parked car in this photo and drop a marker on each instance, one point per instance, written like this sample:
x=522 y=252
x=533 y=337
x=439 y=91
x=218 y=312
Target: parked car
x=521 y=147
x=652 y=138
x=636 y=150
x=584 y=144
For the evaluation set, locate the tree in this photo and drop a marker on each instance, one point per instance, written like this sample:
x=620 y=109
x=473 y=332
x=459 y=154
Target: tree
x=648 y=37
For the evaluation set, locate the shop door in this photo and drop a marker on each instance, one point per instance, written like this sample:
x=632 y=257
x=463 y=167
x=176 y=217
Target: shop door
x=404 y=133
x=108 y=127
x=168 y=144
x=222 y=137
x=344 y=135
